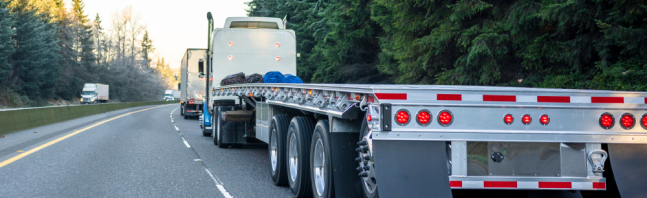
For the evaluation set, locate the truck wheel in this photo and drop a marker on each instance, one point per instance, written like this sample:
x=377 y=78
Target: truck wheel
x=186 y=117
x=206 y=132
x=276 y=148
x=298 y=159
x=220 y=132
x=369 y=183
x=320 y=161
x=214 y=125
x=182 y=110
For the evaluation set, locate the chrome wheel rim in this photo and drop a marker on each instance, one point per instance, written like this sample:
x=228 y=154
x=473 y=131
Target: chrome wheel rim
x=273 y=150
x=318 y=170
x=293 y=156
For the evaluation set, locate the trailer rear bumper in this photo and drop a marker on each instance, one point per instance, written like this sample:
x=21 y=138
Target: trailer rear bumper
x=527 y=183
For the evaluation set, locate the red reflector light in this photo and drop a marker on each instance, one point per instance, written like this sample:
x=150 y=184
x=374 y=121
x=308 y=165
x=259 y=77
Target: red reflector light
x=606 y=120
x=526 y=119
x=644 y=121
x=278 y=58
x=544 y=119
x=230 y=57
x=369 y=118
x=402 y=117
x=508 y=119
x=627 y=121
x=424 y=117
x=230 y=43
x=278 y=45
x=445 y=118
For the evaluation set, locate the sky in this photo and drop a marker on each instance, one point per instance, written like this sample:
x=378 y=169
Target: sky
x=173 y=25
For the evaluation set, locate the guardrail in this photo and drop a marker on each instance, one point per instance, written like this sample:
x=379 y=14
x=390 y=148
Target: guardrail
x=14 y=120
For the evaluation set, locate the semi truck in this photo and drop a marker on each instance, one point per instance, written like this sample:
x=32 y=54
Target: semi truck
x=170 y=95
x=192 y=85
x=358 y=140
x=95 y=93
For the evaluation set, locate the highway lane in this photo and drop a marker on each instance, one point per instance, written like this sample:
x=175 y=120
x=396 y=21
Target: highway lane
x=137 y=155
x=152 y=153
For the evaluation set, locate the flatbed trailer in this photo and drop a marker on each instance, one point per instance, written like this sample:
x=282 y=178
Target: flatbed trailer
x=428 y=139
x=357 y=140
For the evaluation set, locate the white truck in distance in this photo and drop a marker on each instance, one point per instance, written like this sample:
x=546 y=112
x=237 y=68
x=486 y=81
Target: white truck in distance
x=354 y=140
x=170 y=95
x=95 y=93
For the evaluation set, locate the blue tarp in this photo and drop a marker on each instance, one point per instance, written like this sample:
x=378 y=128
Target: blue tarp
x=273 y=77
x=289 y=78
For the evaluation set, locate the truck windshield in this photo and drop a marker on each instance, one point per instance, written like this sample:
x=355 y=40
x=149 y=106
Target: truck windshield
x=88 y=93
x=169 y=95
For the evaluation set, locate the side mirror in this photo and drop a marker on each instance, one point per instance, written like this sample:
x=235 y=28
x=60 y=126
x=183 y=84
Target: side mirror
x=201 y=68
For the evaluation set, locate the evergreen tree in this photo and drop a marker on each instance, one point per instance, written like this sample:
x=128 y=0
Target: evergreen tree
x=35 y=55
x=147 y=48
x=7 y=22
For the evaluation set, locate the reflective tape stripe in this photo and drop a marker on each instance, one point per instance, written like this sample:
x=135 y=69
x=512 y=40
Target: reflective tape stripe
x=391 y=96
x=536 y=99
x=527 y=185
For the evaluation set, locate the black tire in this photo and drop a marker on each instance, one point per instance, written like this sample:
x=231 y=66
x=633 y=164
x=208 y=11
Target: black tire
x=321 y=135
x=278 y=130
x=220 y=132
x=186 y=117
x=301 y=129
x=215 y=124
x=206 y=132
x=367 y=194
x=182 y=110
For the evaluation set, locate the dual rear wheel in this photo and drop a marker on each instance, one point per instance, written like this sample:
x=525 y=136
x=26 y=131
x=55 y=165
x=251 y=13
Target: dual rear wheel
x=299 y=152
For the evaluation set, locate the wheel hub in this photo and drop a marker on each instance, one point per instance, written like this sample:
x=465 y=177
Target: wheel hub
x=293 y=157
x=273 y=150
x=319 y=167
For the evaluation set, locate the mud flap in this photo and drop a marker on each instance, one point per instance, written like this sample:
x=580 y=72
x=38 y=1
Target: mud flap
x=346 y=181
x=411 y=168
x=629 y=163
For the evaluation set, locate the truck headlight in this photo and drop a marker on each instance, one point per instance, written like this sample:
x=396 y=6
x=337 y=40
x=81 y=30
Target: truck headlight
x=81 y=99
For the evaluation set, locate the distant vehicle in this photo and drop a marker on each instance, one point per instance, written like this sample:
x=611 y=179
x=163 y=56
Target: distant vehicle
x=94 y=93
x=191 y=82
x=170 y=95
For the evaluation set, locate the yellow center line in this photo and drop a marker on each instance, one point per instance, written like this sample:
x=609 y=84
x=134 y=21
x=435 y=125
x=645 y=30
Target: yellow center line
x=17 y=157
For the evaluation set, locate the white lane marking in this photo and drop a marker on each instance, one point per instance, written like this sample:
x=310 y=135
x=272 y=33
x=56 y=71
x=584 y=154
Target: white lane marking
x=176 y=128
x=186 y=143
x=218 y=184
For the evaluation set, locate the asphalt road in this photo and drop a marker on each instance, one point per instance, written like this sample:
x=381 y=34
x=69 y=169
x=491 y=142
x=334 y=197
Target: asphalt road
x=151 y=153
x=148 y=151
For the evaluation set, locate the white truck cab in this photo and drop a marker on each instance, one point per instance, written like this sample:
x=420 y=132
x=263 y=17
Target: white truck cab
x=94 y=93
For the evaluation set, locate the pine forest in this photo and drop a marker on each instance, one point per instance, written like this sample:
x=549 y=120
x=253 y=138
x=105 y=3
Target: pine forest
x=48 y=50
x=575 y=44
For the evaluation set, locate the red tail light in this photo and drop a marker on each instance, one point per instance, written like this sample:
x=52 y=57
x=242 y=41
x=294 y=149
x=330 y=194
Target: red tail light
x=526 y=119
x=230 y=57
x=403 y=117
x=230 y=43
x=606 y=120
x=445 y=118
x=369 y=118
x=627 y=121
x=278 y=58
x=644 y=121
x=424 y=117
x=544 y=119
x=508 y=119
